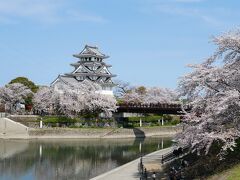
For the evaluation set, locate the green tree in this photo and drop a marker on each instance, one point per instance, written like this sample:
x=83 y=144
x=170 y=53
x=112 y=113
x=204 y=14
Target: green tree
x=141 y=90
x=26 y=82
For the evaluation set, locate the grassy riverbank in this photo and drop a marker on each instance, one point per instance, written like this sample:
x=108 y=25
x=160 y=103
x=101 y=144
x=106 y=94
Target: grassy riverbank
x=230 y=174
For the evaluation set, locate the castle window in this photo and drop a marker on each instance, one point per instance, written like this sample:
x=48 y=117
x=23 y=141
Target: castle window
x=94 y=78
x=80 y=78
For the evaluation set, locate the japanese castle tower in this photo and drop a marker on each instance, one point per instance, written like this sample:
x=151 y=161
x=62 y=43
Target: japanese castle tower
x=89 y=67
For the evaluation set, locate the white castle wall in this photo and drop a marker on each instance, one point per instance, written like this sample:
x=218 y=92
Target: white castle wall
x=106 y=92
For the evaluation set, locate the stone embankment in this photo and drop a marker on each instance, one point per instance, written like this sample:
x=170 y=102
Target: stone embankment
x=12 y=129
x=16 y=130
x=103 y=132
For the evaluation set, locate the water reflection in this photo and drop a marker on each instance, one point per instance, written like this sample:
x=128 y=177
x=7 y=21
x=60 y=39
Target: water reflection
x=70 y=159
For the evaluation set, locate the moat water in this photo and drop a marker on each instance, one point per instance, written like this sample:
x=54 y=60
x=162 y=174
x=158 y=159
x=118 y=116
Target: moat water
x=70 y=158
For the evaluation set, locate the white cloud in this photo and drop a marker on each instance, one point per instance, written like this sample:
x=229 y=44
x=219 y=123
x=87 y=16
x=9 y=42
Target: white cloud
x=189 y=12
x=79 y=16
x=172 y=1
x=37 y=10
x=179 y=8
x=46 y=11
x=188 y=1
x=6 y=20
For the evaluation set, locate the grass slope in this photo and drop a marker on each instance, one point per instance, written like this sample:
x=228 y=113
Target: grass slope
x=230 y=174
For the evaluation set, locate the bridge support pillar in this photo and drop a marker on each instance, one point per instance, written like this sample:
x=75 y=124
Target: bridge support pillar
x=162 y=121
x=140 y=147
x=41 y=124
x=40 y=151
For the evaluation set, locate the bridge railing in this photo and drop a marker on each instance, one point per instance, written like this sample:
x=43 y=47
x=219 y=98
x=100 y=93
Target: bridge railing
x=150 y=105
x=175 y=153
x=2 y=115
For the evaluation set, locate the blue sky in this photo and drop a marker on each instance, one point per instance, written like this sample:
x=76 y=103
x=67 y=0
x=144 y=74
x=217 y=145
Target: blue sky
x=149 y=42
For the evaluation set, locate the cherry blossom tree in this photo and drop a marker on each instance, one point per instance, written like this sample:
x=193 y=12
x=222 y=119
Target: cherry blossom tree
x=122 y=88
x=150 y=95
x=72 y=100
x=213 y=91
x=45 y=100
x=13 y=94
x=160 y=95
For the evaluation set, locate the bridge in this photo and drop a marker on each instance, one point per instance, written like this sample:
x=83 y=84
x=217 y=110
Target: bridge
x=158 y=108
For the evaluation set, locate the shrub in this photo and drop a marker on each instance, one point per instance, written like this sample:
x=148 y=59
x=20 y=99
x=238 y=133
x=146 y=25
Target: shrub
x=59 y=119
x=145 y=119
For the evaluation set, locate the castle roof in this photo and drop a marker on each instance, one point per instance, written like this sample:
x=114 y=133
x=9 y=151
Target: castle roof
x=90 y=74
x=68 y=80
x=71 y=81
x=89 y=63
x=90 y=51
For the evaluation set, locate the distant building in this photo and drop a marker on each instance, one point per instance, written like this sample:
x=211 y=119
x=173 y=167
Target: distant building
x=89 y=67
